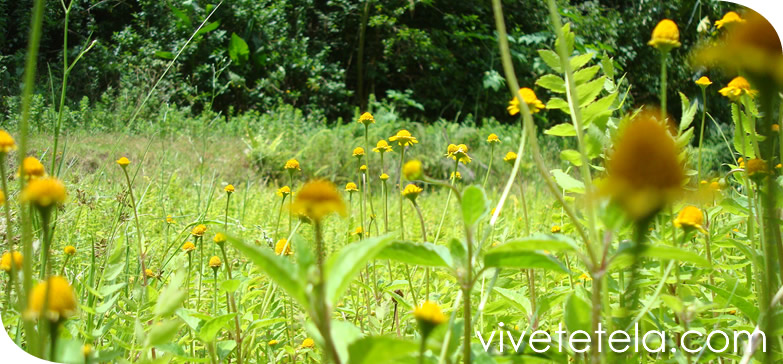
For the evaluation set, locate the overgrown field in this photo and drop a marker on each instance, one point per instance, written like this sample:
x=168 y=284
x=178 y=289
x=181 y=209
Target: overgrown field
x=277 y=237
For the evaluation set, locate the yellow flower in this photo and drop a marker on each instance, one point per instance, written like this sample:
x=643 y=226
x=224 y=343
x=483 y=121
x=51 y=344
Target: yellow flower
x=384 y=176
x=44 y=192
x=510 y=158
x=281 y=245
x=775 y=128
x=351 y=187
x=585 y=277
x=729 y=18
x=5 y=261
x=292 y=165
x=70 y=250
x=556 y=229
x=644 y=172
x=715 y=186
x=32 y=167
x=188 y=247
x=382 y=147
x=411 y=191
x=123 y=162
x=308 y=343
x=358 y=231
x=199 y=230
x=429 y=313
x=2 y=198
x=215 y=262
x=7 y=143
x=229 y=188
x=60 y=304
x=149 y=273
x=363 y=168
x=272 y=342
x=690 y=217
x=219 y=238
x=736 y=88
x=778 y=166
x=284 y=191
x=704 y=81
x=169 y=219
x=403 y=138
x=366 y=119
x=529 y=97
x=317 y=199
x=358 y=152
x=412 y=170
x=665 y=36
x=456 y=175
x=756 y=166
x=741 y=162
x=458 y=152
x=86 y=350
x=493 y=138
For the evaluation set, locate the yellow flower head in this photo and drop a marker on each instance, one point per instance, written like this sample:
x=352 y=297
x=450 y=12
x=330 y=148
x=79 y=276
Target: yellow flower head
x=6 y=261
x=363 y=168
x=556 y=229
x=403 y=138
x=169 y=219
x=199 y=230
x=33 y=168
x=123 y=162
x=219 y=238
x=729 y=18
x=7 y=143
x=529 y=97
x=292 y=165
x=229 y=188
x=384 y=176
x=412 y=170
x=358 y=231
x=458 y=152
x=756 y=166
x=215 y=262
x=510 y=158
x=358 y=152
x=317 y=199
x=644 y=172
x=366 y=119
x=411 y=191
x=283 y=191
x=188 y=247
x=585 y=277
x=272 y=342
x=86 y=350
x=736 y=88
x=308 y=343
x=382 y=147
x=665 y=36
x=703 y=81
x=775 y=128
x=493 y=138
x=60 y=304
x=351 y=187
x=456 y=175
x=149 y=273
x=283 y=247
x=715 y=186
x=690 y=217
x=69 y=250
x=2 y=198
x=45 y=192
x=429 y=313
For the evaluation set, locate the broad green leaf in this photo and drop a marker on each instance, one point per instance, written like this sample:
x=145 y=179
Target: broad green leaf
x=380 y=349
x=474 y=205
x=549 y=242
x=162 y=332
x=589 y=91
x=579 y=61
x=577 y=313
x=586 y=74
x=749 y=309
x=664 y=252
x=558 y=103
x=515 y=298
x=189 y=317
x=107 y=304
x=208 y=28
x=522 y=259
x=458 y=251
x=164 y=55
x=570 y=155
x=551 y=59
x=688 y=112
x=173 y=295
x=600 y=108
x=552 y=83
x=568 y=183
x=607 y=65
x=674 y=303
x=110 y=289
x=238 y=49
x=279 y=269
x=342 y=267
x=426 y=254
x=211 y=328
x=564 y=129
x=230 y=286
x=224 y=348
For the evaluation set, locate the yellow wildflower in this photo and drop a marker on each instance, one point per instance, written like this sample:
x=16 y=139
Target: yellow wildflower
x=123 y=162
x=149 y=273
x=358 y=231
x=382 y=147
x=32 y=167
x=493 y=138
x=284 y=191
x=690 y=217
x=729 y=18
x=229 y=188
x=283 y=247
x=704 y=81
x=363 y=168
x=458 y=152
x=69 y=250
x=199 y=230
x=169 y=219
x=529 y=97
x=585 y=277
x=429 y=313
x=188 y=247
x=411 y=191
x=756 y=166
x=272 y=342
x=219 y=238
x=86 y=350
x=775 y=128
x=412 y=170
x=403 y=138
x=556 y=229
x=308 y=343
x=317 y=199
x=737 y=87
x=510 y=158
x=665 y=36
x=44 y=192
x=358 y=152
x=292 y=165
x=351 y=187
x=215 y=262
x=7 y=143
x=384 y=176
x=5 y=261
x=366 y=119
x=60 y=301
x=456 y=175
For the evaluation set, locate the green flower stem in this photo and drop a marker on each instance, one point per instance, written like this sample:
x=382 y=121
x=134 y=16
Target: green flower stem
x=402 y=161
x=277 y=223
x=325 y=319
x=231 y=305
x=448 y=200
x=489 y=167
x=138 y=229
x=200 y=242
x=701 y=131
x=291 y=212
x=367 y=151
x=423 y=240
x=214 y=271
x=664 y=59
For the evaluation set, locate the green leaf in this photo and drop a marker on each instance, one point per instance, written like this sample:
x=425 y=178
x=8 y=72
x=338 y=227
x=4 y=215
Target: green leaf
x=688 y=112
x=552 y=83
x=209 y=331
x=570 y=155
x=162 y=332
x=380 y=349
x=577 y=62
x=107 y=304
x=224 y=348
x=208 y=28
x=549 y=242
x=342 y=268
x=551 y=59
x=515 y=298
x=238 y=49
x=426 y=254
x=601 y=108
x=749 y=309
x=607 y=65
x=589 y=91
x=577 y=313
x=563 y=130
x=586 y=74
x=173 y=295
x=522 y=259
x=279 y=269
x=474 y=205
x=664 y=252
x=230 y=285
x=164 y=55
x=110 y=289
x=558 y=103
x=568 y=183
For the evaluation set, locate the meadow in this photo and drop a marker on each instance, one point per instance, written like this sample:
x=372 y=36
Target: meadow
x=285 y=237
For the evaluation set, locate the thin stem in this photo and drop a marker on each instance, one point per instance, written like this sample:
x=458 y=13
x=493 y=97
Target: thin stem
x=701 y=131
x=402 y=161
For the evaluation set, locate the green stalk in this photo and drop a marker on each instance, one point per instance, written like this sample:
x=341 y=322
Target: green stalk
x=402 y=161
x=489 y=167
x=367 y=151
x=423 y=240
x=279 y=214
x=701 y=132
x=446 y=206
x=664 y=58
x=325 y=317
